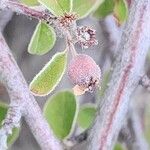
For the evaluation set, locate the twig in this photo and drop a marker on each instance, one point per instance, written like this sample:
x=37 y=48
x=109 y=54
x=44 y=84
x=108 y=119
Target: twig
x=29 y=11
x=132 y=133
x=128 y=67
x=20 y=95
x=79 y=138
x=112 y=34
x=136 y=130
x=125 y=136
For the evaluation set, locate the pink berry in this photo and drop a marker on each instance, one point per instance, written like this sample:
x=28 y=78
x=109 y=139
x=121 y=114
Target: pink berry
x=84 y=72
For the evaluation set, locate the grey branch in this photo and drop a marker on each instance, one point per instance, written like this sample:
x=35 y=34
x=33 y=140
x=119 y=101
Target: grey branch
x=128 y=68
x=28 y=11
x=20 y=95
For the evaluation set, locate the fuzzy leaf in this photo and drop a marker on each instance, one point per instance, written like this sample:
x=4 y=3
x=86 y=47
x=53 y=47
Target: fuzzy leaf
x=30 y=2
x=104 y=9
x=43 y=39
x=86 y=116
x=57 y=7
x=121 y=11
x=83 y=7
x=60 y=112
x=12 y=138
x=49 y=77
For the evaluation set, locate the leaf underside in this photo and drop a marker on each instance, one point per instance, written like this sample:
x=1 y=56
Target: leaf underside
x=49 y=77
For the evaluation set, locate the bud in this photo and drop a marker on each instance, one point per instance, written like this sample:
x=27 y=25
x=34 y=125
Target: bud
x=86 y=37
x=67 y=20
x=84 y=73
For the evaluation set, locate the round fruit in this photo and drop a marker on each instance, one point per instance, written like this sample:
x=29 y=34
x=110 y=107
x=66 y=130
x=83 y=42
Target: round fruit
x=84 y=72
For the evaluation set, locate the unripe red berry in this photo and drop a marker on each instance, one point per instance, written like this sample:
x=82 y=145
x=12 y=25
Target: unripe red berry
x=84 y=72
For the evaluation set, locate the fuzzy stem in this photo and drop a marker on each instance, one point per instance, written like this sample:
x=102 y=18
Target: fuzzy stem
x=70 y=44
x=19 y=94
x=128 y=68
x=30 y=12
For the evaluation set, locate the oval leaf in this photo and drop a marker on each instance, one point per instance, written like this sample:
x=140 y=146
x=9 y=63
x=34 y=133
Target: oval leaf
x=15 y=133
x=43 y=39
x=30 y=2
x=121 y=11
x=104 y=9
x=83 y=7
x=86 y=116
x=60 y=112
x=57 y=7
x=49 y=77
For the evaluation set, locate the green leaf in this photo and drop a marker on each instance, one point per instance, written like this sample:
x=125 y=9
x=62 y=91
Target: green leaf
x=86 y=116
x=60 y=112
x=118 y=146
x=84 y=7
x=15 y=133
x=104 y=9
x=43 y=39
x=105 y=80
x=121 y=11
x=57 y=7
x=30 y=2
x=49 y=77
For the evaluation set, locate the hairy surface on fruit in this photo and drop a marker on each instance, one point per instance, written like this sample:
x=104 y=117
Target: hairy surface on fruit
x=83 y=71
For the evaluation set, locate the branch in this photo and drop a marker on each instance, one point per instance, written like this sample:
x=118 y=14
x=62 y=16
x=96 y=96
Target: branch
x=128 y=67
x=19 y=8
x=24 y=101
